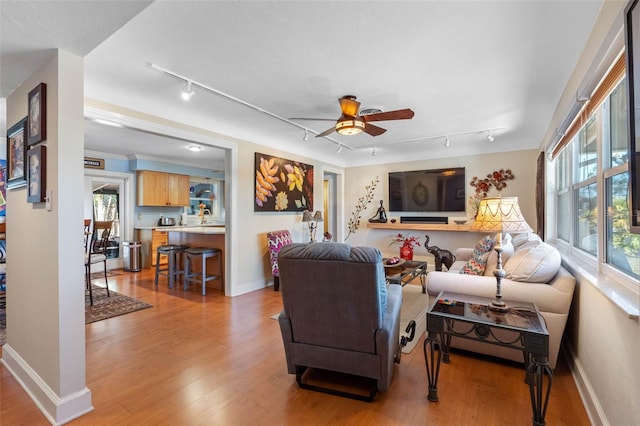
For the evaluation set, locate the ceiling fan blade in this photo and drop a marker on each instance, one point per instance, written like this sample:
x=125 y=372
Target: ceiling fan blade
x=326 y=132
x=349 y=105
x=373 y=130
x=399 y=114
x=311 y=119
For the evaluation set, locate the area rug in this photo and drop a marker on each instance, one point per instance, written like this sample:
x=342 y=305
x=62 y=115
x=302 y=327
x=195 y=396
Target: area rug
x=3 y=319
x=100 y=274
x=414 y=307
x=108 y=307
x=103 y=307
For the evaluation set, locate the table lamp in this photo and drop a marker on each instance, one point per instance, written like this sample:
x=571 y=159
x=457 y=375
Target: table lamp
x=312 y=221
x=500 y=214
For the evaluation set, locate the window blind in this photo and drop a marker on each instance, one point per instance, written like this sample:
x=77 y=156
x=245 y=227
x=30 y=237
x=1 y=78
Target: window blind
x=615 y=74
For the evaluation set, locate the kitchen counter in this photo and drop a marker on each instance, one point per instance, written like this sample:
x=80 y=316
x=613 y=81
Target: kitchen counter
x=201 y=236
x=192 y=235
x=196 y=229
x=174 y=227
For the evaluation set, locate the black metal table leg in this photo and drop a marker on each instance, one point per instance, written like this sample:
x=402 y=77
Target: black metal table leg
x=539 y=392
x=446 y=347
x=432 y=362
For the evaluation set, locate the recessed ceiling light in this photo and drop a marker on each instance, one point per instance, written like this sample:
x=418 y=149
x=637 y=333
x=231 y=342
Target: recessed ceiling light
x=195 y=148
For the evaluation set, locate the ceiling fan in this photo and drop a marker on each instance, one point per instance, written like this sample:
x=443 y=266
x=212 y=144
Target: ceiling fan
x=350 y=123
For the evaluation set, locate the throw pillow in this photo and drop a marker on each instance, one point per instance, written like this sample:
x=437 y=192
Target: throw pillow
x=529 y=238
x=507 y=252
x=534 y=264
x=478 y=261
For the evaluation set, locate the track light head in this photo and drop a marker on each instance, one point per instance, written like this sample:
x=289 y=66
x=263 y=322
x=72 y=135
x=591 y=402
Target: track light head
x=188 y=94
x=373 y=153
x=447 y=142
x=339 y=150
x=306 y=135
x=490 y=137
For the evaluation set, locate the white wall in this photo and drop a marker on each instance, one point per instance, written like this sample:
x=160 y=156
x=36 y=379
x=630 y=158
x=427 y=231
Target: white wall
x=521 y=163
x=253 y=226
x=45 y=287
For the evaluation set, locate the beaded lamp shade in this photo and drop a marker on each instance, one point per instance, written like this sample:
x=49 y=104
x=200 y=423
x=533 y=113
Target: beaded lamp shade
x=501 y=214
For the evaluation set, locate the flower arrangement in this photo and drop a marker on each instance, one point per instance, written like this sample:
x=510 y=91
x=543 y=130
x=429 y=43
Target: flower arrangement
x=405 y=240
x=327 y=236
x=496 y=179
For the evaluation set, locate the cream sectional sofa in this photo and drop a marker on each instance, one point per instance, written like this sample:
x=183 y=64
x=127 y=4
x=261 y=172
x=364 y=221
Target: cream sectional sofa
x=534 y=274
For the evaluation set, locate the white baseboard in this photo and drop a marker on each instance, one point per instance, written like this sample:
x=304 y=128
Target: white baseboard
x=58 y=410
x=589 y=398
x=251 y=286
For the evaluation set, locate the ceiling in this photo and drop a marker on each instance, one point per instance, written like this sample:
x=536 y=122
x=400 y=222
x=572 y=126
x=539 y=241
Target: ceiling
x=466 y=68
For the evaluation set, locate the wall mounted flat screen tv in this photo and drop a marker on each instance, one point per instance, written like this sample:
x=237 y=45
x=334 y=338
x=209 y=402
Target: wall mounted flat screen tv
x=436 y=190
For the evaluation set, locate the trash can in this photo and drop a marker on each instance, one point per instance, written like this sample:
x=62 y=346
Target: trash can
x=131 y=255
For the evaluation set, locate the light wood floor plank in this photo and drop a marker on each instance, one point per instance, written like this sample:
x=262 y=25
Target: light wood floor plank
x=193 y=360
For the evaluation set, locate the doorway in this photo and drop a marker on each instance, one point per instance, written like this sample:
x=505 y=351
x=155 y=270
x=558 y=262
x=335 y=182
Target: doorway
x=329 y=204
x=106 y=198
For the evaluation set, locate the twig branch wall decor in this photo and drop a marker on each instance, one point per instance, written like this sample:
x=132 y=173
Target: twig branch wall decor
x=362 y=204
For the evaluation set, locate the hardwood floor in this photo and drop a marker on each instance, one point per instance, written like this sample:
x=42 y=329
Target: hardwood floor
x=217 y=360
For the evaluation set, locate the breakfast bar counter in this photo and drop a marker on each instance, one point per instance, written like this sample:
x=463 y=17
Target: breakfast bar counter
x=212 y=236
x=201 y=236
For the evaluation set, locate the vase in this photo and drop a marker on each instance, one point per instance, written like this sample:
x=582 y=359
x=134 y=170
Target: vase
x=406 y=252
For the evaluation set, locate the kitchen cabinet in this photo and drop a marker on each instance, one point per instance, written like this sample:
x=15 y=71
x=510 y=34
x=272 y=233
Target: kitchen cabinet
x=162 y=189
x=178 y=190
x=151 y=239
x=158 y=238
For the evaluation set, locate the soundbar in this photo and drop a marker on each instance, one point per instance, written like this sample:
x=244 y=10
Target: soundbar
x=424 y=219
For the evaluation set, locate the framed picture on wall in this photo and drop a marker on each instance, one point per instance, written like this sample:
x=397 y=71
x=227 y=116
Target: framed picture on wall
x=282 y=185
x=37 y=181
x=16 y=152
x=37 y=127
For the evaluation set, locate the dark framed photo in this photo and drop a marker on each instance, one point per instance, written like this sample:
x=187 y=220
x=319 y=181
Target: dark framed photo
x=37 y=127
x=16 y=153
x=37 y=182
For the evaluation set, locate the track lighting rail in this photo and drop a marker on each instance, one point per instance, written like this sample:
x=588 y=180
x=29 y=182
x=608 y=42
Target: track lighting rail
x=202 y=86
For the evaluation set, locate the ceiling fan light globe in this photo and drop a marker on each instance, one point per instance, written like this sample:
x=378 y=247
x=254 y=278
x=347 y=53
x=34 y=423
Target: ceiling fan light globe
x=349 y=126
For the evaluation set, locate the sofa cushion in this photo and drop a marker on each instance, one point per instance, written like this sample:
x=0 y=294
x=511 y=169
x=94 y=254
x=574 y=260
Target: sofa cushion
x=529 y=238
x=533 y=264
x=478 y=262
x=507 y=252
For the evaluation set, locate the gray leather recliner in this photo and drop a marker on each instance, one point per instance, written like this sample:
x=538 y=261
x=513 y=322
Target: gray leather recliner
x=339 y=314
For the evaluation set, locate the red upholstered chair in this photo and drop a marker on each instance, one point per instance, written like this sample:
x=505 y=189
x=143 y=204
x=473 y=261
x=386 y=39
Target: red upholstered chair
x=277 y=240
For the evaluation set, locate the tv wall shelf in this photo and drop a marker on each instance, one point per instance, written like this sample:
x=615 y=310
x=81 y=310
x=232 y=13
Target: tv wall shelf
x=421 y=226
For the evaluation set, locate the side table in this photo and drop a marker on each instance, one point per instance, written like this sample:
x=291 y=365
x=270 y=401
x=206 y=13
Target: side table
x=406 y=272
x=468 y=317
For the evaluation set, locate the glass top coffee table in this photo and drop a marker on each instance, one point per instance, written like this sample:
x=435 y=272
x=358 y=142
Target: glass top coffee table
x=405 y=272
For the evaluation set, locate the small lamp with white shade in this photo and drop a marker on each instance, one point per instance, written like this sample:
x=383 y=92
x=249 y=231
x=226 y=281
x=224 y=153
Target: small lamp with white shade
x=312 y=221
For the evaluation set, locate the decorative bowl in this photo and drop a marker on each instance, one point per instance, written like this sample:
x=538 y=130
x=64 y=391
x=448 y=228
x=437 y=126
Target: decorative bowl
x=460 y=221
x=393 y=265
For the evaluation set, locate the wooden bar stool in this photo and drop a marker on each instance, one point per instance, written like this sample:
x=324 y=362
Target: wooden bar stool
x=173 y=265
x=203 y=253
